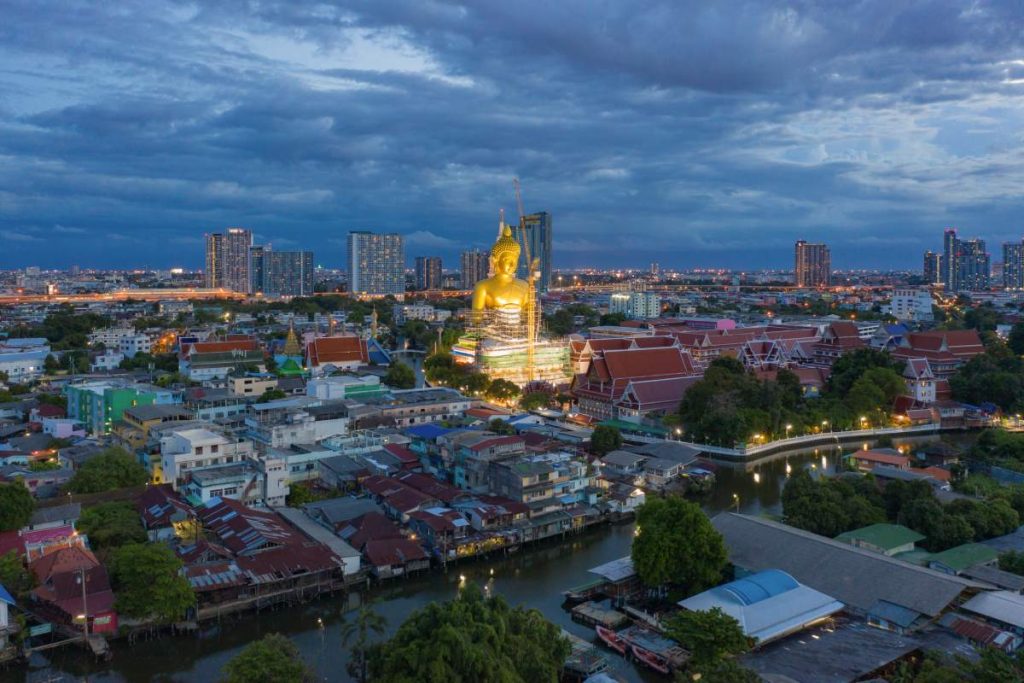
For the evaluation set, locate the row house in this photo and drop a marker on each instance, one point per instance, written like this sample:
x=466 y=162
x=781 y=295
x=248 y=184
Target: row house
x=71 y=582
x=411 y=407
x=290 y=421
x=206 y=360
x=441 y=528
x=476 y=452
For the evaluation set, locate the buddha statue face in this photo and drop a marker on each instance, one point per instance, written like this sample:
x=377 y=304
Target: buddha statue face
x=505 y=263
x=505 y=254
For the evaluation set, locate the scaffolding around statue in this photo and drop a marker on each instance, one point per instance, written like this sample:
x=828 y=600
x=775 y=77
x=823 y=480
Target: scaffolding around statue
x=498 y=343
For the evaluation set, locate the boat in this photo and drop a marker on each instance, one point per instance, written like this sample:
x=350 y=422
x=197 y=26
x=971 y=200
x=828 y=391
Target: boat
x=651 y=660
x=611 y=639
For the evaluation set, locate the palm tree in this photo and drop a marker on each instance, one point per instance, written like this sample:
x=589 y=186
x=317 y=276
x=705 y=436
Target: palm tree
x=357 y=633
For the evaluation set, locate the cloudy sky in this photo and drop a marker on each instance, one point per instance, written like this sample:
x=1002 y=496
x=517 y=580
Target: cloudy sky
x=691 y=133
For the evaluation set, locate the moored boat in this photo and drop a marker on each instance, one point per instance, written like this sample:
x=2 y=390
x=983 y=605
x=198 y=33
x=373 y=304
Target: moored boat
x=651 y=660
x=611 y=639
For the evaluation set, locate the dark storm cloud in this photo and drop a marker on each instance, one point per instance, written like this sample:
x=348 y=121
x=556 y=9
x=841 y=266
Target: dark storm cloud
x=716 y=132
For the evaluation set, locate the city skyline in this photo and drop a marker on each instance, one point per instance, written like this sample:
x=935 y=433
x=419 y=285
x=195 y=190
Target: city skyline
x=127 y=135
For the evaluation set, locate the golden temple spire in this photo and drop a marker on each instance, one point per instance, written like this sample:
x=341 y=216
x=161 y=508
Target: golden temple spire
x=291 y=342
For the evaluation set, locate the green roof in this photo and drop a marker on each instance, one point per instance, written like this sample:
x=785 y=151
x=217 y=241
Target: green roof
x=624 y=426
x=916 y=556
x=290 y=368
x=964 y=556
x=884 y=536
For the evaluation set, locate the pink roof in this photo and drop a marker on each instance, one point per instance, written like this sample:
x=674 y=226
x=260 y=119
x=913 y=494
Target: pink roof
x=392 y=551
x=882 y=458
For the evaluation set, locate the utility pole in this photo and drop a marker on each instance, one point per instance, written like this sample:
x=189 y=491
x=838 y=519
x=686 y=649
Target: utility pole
x=85 y=607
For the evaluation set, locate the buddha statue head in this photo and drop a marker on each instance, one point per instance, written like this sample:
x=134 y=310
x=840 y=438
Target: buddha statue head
x=505 y=253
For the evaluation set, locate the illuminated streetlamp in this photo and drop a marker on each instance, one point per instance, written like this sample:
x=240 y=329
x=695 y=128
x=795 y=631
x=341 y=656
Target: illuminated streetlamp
x=788 y=427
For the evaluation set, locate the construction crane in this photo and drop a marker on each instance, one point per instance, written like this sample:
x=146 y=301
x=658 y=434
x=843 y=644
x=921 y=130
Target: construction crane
x=531 y=280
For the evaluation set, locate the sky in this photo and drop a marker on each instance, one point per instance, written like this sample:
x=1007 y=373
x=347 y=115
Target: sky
x=694 y=134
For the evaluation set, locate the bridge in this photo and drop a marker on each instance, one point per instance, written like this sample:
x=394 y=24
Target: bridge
x=181 y=294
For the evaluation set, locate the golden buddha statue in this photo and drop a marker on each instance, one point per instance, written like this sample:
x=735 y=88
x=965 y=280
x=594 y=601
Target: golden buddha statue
x=503 y=291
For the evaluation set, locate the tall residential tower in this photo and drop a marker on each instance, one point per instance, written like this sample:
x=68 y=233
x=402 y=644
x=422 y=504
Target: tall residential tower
x=473 y=267
x=813 y=265
x=376 y=264
x=428 y=272
x=227 y=260
x=536 y=237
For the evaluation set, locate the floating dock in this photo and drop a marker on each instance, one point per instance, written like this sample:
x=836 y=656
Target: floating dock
x=593 y=614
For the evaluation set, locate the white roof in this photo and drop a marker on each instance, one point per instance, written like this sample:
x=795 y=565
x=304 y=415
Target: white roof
x=1001 y=606
x=616 y=570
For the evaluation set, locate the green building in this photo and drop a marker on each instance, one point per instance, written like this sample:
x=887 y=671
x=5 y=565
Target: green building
x=97 y=405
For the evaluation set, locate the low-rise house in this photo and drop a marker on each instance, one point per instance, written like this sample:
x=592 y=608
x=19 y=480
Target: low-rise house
x=391 y=557
x=8 y=627
x=42 y=484
x=54 y=517
x=888 y=457
x=132 y=431
x=200 y=361
x=659 y=472
x=888 y=539
x=624 y=464
x=981 y=634
x=624 y=499
x=164 y=513
x=335 y=513
x=60 y=596
x=959 y=559
x=1001 y=608
x=342 y=472
x=442 y=529
x=187 y=450
x=372 y=526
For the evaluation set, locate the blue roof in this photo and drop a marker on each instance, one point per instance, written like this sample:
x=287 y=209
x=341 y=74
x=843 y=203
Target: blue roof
x=427 y=431
x=5 y=596
x=761 y=586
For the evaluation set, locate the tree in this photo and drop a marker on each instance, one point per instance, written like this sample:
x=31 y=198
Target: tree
x=14 y=576
x=475 y=383
x=605 y=439
x=51 y=365
x=472 y=639
x=16 y=506
x=114 y=468
x=709 y=636
x=1015 y=340
x=110 y=525
x=502 y=390
x=1012 y=561
x=829 y=507
x=535 y=400
x=357 y=633
x=272 y=659
x=676 y=544
x=499 y=426
x=274 y=394
x=148 y=583
x=400 y=376
x=560 y=322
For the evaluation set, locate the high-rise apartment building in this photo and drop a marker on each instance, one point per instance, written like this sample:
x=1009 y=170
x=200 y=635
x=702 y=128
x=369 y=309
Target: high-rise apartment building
x=1013 y=265
x=536 y=237
x=474 y=266
x=288 y=273
x=975 y=267
x=257 y=268
x=227 y=260
x=813 y=265
x=428 y=272
x=932 y=268
x=376 y=264
x=950 y=260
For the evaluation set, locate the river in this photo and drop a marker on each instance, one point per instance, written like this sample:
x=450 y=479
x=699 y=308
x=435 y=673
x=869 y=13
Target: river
x=534 y=577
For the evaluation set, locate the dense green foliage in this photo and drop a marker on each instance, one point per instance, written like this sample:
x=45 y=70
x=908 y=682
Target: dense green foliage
x=605 y=439
x=831 y=506
x=499 y=426
x=110 y=525
x=996 y=376
x=999 y=447
x=64 y=328
x=400 y=376
x=709 y=637
x=730 y=405
x=1013 y=562
x=271 y=659
x=14 y=576
x=16 y=506
x=274 y=394
x=677 y=545
x=502 y=390
x=561 y=322
x=147 y=582
x=992 y=666
x=114 y=468
x=535 y=400
x=163 y=362
x=472 y=639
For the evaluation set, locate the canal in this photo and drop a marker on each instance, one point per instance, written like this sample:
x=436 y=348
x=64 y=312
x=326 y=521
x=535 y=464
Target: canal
x=534 y=577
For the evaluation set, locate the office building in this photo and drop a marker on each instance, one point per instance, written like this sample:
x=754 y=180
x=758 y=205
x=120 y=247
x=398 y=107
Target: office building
x=428 y=272
x=257 y=269
x=227 y=260
x=535 y=237
x=474 y=267
x=288 y=273
x=376 y=264
x=913 y=304
x=1013 y=265
x=813 y=265
x=975 y=268
x=932 y=268
x=636 y=305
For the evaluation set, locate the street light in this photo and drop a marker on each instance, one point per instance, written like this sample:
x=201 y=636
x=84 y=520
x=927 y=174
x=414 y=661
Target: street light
x=824 y=424
x=788 y=427
x=736 y=497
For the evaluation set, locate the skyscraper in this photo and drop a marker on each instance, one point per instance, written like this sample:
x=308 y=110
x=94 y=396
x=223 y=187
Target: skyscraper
x=257 y=270
x=288 y=273
x=428 y=272
x=932 y=268
x=813 y=265
x=473 y=268
x=227 y=260
x=975 y=267
x=951 y=260
x=536 y=238
x=1013 y=265
x=376 y=264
